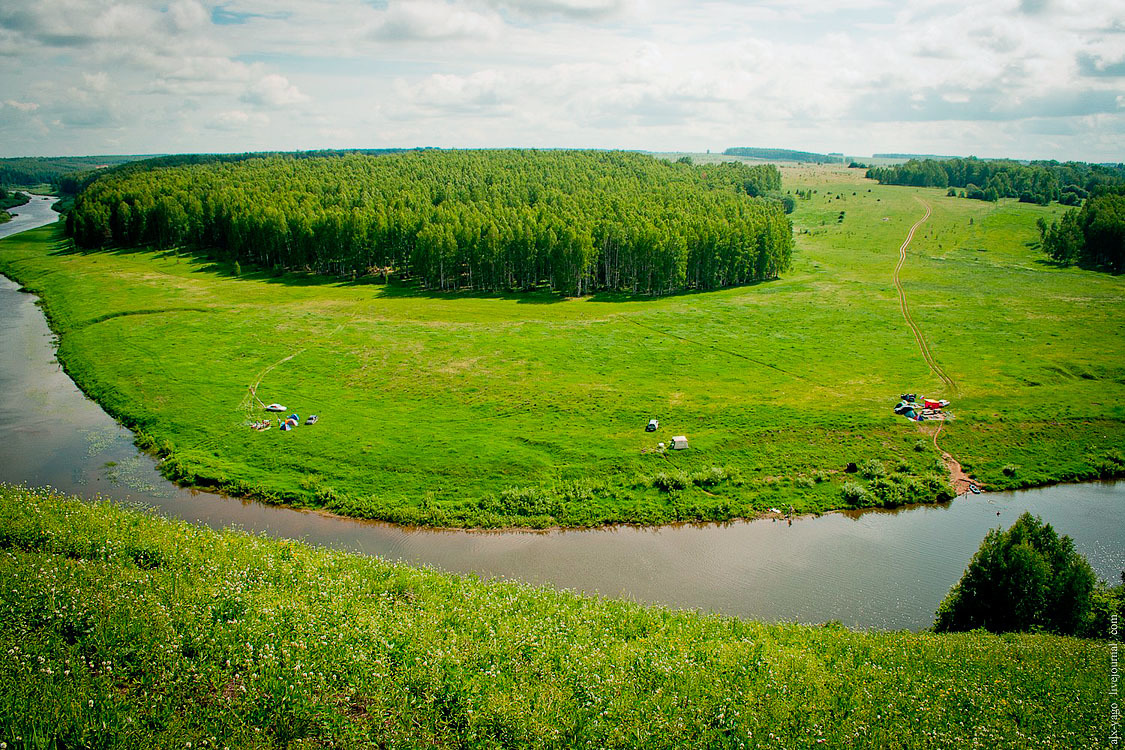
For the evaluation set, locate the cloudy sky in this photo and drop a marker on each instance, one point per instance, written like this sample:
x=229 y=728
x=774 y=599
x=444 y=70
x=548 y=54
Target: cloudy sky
x=1021 y=78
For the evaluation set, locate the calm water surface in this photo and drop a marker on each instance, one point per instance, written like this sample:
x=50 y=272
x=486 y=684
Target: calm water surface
x=869 y=570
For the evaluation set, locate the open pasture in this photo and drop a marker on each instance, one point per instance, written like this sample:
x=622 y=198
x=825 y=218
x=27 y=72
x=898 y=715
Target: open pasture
x=486 y=410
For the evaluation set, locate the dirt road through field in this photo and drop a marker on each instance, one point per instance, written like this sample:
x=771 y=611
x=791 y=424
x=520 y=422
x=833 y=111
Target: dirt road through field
x=918 y=337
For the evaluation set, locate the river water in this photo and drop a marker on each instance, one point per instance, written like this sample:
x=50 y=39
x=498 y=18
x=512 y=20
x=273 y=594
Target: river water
x=868 y=570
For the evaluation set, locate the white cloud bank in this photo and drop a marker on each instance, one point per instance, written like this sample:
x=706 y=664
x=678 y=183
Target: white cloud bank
x=1024 y=78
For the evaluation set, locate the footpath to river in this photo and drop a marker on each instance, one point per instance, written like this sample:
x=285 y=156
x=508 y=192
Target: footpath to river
x=886 y=570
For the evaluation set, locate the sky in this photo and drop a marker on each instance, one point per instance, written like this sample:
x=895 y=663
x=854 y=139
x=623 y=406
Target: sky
x=1012 y=78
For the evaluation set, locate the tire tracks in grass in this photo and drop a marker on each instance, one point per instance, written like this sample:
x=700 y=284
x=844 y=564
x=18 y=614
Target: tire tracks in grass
x=923 y=346
x=740 y=355
x=957 y=476
x=247 y=402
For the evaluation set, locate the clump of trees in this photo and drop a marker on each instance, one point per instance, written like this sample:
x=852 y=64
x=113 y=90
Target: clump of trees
x=12 y=198
x=1091 y=237
x=1028 y=578
x=987 y=179
x=575 y=221
x=9 y=199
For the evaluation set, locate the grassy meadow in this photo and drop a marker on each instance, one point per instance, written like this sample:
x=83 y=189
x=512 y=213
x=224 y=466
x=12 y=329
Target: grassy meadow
x=121 y=629
x=529 y=410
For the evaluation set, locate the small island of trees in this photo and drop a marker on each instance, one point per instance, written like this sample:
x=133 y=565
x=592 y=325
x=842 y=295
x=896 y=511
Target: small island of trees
x=576 y=222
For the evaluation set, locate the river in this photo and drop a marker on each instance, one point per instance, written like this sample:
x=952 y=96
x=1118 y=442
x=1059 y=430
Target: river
x=885 y=570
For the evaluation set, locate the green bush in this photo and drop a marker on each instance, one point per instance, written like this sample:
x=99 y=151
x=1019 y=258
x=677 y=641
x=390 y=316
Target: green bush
x=871 y=468
x=855 y=494
x=1027 y=578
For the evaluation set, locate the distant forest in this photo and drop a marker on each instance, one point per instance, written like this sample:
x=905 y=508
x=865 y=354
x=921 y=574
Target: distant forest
x=913 y=156
x=1038 y=182
x=784 y=154
x=493 y=220
x=70 y=173
x=27 y=171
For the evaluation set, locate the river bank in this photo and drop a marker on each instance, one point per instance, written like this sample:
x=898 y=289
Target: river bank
x=866 y=570
x=213 y=639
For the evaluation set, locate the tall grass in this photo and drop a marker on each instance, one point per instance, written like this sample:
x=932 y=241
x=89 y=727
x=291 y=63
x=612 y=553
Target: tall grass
x=119 y=629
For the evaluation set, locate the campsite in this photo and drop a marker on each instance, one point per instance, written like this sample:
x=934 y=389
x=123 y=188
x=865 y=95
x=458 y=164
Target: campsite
x=479 y=374
x=467 y=409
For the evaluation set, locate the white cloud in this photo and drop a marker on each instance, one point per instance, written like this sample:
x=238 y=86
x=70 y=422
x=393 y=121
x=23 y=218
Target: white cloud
x=581 y=9
x=426 y=21
x=1030 y=78
x=98 y=82
x=21 y=106
x=237 y=120
x=273 y=90
x=188 y=14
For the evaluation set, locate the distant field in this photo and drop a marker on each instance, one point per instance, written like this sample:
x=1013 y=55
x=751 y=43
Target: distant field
x=119 y=629
x=530 y=409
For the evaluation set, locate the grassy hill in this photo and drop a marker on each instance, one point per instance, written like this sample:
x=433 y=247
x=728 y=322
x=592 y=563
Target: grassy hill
x=119 y=629
x=487 y=410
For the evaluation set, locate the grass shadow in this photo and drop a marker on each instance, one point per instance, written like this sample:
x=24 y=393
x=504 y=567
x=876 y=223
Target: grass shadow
x=641 y=297
x=1049 y=263
x=412 y=289
x=207 y=263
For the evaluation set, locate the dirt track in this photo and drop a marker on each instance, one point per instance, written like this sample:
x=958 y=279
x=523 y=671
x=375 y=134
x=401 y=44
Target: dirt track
x=922 y=345
x=957 y=476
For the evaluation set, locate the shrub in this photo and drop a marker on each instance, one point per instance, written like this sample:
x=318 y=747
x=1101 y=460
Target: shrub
x=855 y=494
x=713 y=476
x=666 y=482
x=1010 y=470
x=1111 y=465
x=1025 y=578
x=518 y=501
x=872 y=468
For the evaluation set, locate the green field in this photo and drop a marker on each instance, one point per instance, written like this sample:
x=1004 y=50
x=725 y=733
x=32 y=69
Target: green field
x=119 y=629
x=462 y=409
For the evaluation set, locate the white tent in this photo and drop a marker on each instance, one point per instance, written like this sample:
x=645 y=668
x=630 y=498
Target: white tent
x=679 y=442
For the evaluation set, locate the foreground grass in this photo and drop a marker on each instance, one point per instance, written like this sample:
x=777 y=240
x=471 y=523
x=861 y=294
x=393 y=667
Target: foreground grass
x=118 y=629
x=468 y=410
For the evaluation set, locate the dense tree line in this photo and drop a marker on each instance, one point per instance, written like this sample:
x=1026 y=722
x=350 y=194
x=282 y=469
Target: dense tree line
x=981 y=179
x=12 y=198
x=577 y=221
x=784 y=154
x=1093 y=236
x=27 y=171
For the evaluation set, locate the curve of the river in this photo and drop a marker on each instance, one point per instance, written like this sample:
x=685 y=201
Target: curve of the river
x=867 y=570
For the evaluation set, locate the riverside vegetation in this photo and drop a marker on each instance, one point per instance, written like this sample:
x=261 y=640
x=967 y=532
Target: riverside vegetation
x=120 y=629
x=527 y=409
x=10 y=199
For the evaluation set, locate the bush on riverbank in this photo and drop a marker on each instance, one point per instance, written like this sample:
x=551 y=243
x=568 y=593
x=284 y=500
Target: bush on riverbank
x=123 y=630
x=1028 y=578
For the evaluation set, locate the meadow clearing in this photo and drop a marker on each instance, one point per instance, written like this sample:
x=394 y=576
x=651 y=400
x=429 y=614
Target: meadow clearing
x=529 y=410
x=121 y=629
